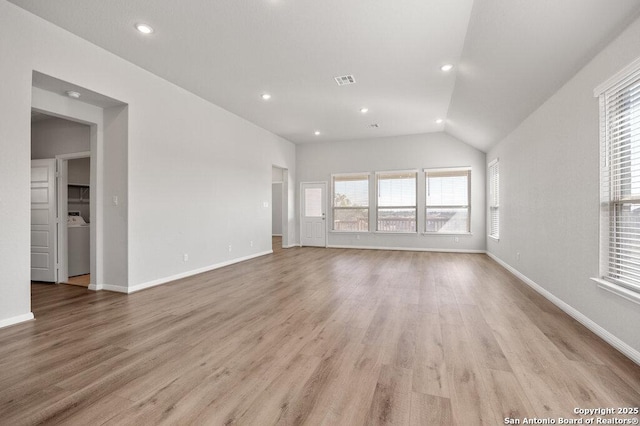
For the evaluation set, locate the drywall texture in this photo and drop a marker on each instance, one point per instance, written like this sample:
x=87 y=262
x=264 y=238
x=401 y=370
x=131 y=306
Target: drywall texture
x=549 y=195
x=54 y=136
x=276 y=208
x=317 y=162
x=78 y=171
x=197 y=176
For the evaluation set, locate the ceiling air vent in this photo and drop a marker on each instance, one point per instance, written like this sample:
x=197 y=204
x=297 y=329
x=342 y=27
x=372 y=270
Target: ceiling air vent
x=345 y=79
x=374 y=125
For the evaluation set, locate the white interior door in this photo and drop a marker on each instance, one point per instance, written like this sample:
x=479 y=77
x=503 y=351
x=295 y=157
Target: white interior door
x=313 y=215
x=43 y=220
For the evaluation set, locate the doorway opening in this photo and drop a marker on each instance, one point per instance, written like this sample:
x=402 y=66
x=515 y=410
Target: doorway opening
x=105 y=196
x=60 y=203
x=74 y=204
x=279 y=208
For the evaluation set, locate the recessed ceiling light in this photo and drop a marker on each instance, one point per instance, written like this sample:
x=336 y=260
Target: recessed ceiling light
x=439 y=121
x=144 y=28
x=73 y=94
x=364 y=110
x=317 y=133
x=266 y=96
x=446 y=67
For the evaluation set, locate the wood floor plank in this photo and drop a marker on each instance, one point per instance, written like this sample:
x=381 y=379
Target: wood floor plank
x=309 y=336
x=430 y=370
x=392 y=397
x=430 y=410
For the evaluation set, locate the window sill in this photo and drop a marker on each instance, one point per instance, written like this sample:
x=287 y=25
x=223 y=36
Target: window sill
x=396 y=232
x=448 y=234
x=348 y=232
x=625 y=293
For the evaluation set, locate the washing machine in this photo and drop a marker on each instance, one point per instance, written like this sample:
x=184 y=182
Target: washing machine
x=78 y=234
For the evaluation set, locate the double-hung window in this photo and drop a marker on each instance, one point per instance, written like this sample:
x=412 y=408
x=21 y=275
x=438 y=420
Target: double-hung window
x=396 y=207
x=351 y=202
x=620 y=182
x=447 y=200
x=494 y=199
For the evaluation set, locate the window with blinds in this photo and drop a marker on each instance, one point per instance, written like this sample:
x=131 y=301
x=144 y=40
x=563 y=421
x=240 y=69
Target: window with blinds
x=396 y=208
x=494 y=199
x=351 y=202
x=447 y=200
x=620 y=180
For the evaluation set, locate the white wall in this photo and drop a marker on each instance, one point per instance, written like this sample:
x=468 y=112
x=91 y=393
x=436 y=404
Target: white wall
x=316 y=162
x=197 y=176
x=78 y=171
x=276 y=200
x=549 y=177
x=53 y=136
x=276 y=208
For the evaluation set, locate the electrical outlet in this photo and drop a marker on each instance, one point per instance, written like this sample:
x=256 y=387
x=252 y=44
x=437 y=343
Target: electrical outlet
x=185 y=257
x=456 y=239
x=517 y=255
x=250 y=243
x=357 y=237
x=229 y=248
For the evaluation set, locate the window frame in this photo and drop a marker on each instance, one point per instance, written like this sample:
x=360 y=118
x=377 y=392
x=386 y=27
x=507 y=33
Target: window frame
x=448 y=170
x=334 y=208
x=493 y=204
x=377 y=200
x=613 y=148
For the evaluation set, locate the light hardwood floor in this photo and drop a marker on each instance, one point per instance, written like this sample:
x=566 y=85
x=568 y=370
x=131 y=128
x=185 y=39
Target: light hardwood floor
x=310 y=336
x=80 y=280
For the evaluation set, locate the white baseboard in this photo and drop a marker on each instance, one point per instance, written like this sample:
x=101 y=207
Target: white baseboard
x=16 y=320
x=614 y=341
x=291 y=246
x=108 y=287
x=276 y=235
x=408 y=249
x=165 y=280
x=115 y=288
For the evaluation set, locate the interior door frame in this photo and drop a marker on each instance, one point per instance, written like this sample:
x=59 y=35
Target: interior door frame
x=326 y=206
x=62 y=163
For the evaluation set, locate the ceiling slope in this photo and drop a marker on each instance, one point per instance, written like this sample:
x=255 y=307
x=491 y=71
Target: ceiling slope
x=510 y=56
x=519 y=52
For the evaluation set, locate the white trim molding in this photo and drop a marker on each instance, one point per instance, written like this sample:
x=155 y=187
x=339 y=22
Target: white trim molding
x=617 y=78
x=631 y=296
x=165 y=280
x=16 y=320
x=605 y=335
x=437 y=250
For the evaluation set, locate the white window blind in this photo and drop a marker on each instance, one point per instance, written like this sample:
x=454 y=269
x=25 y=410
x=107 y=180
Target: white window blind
x=351 y=202
x=620 y=181
x=494 y=199
x=447 y=200
x=396 y=208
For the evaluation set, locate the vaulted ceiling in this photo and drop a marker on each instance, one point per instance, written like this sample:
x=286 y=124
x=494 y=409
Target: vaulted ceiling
x=508 y=56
